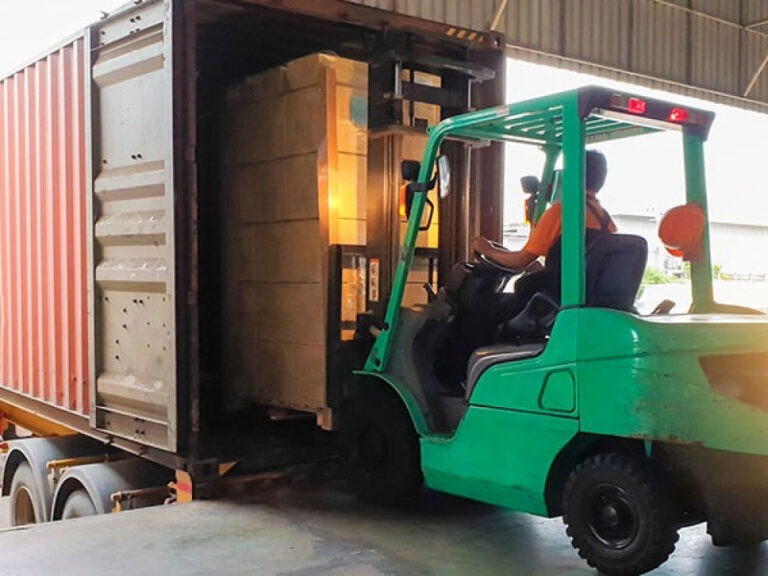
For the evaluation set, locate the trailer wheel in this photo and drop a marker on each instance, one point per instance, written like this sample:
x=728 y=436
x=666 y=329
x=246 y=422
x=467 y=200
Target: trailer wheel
x=381 y=449
x=24 y=507
x=77 y=505
x=618 y=515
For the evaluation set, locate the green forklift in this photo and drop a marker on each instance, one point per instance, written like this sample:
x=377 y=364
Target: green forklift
x=628 y=426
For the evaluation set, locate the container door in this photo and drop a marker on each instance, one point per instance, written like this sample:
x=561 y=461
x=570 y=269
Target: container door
x=133 y=322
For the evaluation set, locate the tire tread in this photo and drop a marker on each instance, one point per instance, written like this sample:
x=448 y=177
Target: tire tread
x=663 y=536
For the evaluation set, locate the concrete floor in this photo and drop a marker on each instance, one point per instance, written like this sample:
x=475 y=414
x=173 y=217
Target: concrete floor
x=313 y=528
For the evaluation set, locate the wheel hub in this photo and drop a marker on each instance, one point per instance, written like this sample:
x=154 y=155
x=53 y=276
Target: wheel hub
x=612 y=517
x=24 y=509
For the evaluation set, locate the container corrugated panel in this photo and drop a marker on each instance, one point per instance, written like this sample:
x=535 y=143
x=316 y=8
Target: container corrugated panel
x=43 y=259
x=134 y=233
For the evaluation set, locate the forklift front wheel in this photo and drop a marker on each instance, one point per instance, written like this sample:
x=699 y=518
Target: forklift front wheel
x=381 y=448
x=618 y=515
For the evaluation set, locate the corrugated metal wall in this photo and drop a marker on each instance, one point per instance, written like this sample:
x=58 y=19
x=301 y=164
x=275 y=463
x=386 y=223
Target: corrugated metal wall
x=704 y=48
x=43 y=330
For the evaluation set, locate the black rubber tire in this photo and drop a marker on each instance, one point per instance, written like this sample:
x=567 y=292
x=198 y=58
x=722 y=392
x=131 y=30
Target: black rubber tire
x=618 y=515
x=381 y=449
x=78 y=505
x=24 y=507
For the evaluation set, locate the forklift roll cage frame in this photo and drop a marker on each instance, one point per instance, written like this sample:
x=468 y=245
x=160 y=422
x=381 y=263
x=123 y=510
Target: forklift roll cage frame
x=563 y=123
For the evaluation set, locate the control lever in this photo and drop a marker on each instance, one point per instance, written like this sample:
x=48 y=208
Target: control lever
x=431 y=294
x=663 y=307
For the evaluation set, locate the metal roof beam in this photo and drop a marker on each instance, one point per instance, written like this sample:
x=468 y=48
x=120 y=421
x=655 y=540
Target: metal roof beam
x=758 y=24
x=750 y=28
x=756 y=75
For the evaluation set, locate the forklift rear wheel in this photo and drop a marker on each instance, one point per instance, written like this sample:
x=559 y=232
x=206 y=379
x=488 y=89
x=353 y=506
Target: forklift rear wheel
x=618 y=515
x=381 y=449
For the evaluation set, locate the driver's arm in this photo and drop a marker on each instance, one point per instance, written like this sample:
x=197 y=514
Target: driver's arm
x=516 y=260
x=541 y=240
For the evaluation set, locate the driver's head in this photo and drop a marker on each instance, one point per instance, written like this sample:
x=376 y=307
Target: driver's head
x=597 y=170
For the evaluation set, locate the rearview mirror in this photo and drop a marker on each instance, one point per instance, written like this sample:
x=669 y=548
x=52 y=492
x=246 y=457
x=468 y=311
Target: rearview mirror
x=410 y=170
x=556 y=193
x=530 y=185
x=444 y=175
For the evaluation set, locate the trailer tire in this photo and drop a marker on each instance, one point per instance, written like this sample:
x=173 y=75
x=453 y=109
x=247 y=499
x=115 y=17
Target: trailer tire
x=619 y=515
x=78 y=505
x=381 y=449
x=24 y=501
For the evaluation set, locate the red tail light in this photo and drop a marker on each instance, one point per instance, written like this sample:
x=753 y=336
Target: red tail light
x=630 y=104
x=678 y=115
x=636 y=106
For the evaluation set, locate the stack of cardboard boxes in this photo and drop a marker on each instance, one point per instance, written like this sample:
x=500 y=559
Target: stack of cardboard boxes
x=293 y=183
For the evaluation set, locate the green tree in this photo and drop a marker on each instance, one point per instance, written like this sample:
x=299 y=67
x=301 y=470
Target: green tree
x=656 y=276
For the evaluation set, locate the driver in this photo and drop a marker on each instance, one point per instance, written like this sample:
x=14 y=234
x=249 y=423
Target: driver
x=547 y=232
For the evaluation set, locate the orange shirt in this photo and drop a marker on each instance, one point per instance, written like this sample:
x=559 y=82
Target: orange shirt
x=549 y=228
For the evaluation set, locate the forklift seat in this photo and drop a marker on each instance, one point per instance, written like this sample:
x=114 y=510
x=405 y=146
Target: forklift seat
x=615 y=266
x=487 y=356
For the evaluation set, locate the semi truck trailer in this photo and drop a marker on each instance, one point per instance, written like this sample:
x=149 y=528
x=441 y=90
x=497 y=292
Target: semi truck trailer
x=160 y=324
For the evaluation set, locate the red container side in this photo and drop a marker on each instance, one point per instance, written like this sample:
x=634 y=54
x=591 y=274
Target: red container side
x=43 y=258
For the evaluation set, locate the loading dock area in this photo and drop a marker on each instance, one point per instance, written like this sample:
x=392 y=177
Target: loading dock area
x=317 y=527
x=229 y=204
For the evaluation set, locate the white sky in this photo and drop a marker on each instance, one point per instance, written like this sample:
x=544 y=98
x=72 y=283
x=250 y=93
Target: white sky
x=645 y=174
x=29 y=27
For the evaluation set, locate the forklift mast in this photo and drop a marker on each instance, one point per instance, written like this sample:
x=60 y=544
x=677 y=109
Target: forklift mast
x=415 y=84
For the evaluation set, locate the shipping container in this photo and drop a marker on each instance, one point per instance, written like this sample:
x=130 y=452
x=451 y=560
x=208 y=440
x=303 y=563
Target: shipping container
x=117 y=159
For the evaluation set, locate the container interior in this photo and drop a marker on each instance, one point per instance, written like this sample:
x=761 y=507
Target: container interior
x=237 y=41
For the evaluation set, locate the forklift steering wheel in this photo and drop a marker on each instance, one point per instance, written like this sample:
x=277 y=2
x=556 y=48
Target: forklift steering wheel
x=487 y=261
x=498 y=245
x=484 y=260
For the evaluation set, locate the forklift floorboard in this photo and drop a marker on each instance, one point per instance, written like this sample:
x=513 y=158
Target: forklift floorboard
x=316 y=527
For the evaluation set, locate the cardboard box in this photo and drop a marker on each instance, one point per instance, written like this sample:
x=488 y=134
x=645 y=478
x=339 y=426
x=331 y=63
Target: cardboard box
x=294 y=181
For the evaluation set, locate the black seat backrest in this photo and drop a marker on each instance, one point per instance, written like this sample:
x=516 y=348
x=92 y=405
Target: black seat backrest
x=554 y=256
x=615 y=266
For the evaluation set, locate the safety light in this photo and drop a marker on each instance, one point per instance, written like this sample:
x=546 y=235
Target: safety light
x=636 y=106
x=403 y=210
x=678 y=115
x=630 y=104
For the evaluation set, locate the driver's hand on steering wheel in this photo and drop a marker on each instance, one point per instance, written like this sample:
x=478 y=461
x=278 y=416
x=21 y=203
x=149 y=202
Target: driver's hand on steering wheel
x=481 y=246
